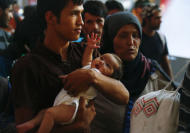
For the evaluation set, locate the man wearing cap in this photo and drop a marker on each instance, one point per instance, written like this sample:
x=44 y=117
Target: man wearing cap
x=154 y=43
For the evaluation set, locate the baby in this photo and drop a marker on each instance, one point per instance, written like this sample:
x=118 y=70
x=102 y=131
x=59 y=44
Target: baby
x=107 y=64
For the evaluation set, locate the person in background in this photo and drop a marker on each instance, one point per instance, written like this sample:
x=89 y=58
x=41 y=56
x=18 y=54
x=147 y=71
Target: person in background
x=5 y=34
x=184 y=113
x=94 y=15
x=114 y=6
x=137 y=9
x=154 y=43
x=37 y=77
x=16 y=18
x=122 y=35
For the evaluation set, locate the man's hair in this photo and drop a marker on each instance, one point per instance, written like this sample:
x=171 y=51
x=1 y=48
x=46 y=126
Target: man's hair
x=118 y=72
x=95 y=7
x=56 y=6
x=141 y=3
x=5 y=3
x=148 y=11
x=113 y=4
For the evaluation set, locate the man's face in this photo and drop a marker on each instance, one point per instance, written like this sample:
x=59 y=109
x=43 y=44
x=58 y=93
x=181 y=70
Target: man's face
x=155 y=20
x=93 y=24
x=5 y=16
x=68 y=27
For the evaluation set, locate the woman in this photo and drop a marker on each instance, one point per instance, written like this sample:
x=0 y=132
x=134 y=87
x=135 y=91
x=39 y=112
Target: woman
x=122 y=36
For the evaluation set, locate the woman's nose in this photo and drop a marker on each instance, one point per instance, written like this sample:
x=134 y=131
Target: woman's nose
x=130 y=40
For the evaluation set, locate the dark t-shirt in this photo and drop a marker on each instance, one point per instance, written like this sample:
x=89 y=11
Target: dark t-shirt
x=153 y=48
x=34 y=78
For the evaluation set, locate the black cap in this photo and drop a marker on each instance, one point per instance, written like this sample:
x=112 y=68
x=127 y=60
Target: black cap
x=5 y=3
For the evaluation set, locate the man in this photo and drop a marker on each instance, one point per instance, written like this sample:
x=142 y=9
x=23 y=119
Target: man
x=138 y=7
x=184 y=115
x=154 y=44
x=114 y=6
x=5 y=35
x=94 y=16
x=16 y=19
x=38 y=77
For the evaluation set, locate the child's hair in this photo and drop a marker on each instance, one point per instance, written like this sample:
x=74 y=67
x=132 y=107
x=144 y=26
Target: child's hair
x=118 y=73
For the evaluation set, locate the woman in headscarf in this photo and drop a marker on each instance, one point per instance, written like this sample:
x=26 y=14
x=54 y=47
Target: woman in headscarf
x=122 y=35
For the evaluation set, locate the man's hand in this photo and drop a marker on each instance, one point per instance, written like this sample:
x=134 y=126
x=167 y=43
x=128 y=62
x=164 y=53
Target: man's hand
x=84 y=117
x=85 y=114
x=78 y=81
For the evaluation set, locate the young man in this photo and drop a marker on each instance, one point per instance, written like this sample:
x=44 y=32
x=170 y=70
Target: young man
x=108 y=64
x=35 y=77
x=154 y=44
x=94 y=16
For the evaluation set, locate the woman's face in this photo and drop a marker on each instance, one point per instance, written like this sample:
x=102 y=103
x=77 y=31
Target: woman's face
x=126 y=42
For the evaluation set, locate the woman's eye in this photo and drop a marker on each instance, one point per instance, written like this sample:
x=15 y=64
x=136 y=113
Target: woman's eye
x=135 y=35
x=122 y=35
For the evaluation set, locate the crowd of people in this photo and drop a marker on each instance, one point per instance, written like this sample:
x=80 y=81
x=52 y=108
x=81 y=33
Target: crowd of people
x=79 y=66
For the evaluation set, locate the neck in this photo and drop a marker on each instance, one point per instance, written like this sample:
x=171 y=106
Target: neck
x=148 y=31
x=56 y=44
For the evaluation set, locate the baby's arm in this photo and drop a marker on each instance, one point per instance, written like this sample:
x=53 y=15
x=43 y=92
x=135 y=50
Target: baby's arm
x=91 y=45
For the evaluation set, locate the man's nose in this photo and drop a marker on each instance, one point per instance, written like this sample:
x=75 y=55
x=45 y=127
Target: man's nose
x=80 y=21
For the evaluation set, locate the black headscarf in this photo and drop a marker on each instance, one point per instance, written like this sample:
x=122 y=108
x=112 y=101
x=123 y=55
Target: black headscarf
x=136 y=72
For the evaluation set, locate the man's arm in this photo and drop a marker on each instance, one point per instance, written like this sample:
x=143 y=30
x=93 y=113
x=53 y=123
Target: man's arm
x=166 y=66
x=82 y=79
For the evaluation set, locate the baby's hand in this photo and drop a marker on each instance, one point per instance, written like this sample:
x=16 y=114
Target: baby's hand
x=93 y=41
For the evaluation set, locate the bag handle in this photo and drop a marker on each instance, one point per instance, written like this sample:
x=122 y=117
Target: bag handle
x=178 y=73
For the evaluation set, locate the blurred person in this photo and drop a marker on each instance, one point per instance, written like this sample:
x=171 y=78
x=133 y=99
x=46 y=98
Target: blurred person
x=16 y=19
x=114 y=6
x=154 y=43
x=184 y=114
x=5 y=34
x=36 y=78
x=94 y=15
x=138 y=6
x=29 y=10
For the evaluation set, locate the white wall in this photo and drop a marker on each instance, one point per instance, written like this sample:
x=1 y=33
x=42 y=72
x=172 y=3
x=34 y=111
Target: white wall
x=176 y=26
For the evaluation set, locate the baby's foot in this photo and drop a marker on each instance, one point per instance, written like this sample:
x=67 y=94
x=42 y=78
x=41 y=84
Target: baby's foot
x=23 y=128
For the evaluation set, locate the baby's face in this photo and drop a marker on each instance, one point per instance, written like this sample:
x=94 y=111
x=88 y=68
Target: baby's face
x=106 y=64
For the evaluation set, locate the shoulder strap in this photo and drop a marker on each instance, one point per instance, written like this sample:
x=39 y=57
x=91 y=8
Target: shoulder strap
x=162 y=38
x=5 y=39
x=164 y=74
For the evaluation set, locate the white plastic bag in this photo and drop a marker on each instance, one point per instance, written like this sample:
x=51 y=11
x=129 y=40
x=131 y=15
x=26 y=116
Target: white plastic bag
x=156 y=112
